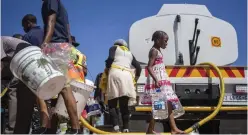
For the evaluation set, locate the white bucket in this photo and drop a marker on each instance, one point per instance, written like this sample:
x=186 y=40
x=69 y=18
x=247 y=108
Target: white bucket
x=37 y=73
x=81 y=92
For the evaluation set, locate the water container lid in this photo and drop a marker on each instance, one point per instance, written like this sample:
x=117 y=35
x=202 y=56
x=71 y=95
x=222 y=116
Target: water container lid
x=89 y=82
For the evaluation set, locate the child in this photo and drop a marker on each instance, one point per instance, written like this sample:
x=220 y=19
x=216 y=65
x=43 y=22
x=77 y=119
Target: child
x=158 y=78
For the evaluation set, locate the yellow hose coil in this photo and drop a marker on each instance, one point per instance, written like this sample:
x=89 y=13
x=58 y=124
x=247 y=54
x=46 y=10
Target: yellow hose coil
x=199 y=109
x=215 y=112
x=198 y=124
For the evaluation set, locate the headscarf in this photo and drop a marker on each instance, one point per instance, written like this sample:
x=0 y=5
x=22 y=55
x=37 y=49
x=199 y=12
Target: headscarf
x=122 y=44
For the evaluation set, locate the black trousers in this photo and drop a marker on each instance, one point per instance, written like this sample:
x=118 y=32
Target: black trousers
x=3 y=105
x=25 y=103
x=123 y=104
x=25 y=107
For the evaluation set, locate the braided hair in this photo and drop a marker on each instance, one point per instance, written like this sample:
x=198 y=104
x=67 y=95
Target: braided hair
x=158 y=34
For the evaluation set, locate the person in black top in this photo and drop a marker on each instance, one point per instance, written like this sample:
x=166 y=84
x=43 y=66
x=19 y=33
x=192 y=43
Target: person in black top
x=56 y=22
x=57 y=30
x=35 y=35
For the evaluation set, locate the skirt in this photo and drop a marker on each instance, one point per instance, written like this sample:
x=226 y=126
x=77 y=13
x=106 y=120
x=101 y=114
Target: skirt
x=120 y=83
x=169 y=95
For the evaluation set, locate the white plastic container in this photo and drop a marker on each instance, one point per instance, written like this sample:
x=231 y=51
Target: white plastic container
x=159 y=105
x=81 y=92
x=34 y=69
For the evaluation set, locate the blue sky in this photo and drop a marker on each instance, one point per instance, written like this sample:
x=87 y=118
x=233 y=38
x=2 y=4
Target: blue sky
x=97 y=23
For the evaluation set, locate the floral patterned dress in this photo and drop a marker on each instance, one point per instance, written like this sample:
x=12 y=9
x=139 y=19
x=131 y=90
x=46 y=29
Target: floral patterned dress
x=166 y=87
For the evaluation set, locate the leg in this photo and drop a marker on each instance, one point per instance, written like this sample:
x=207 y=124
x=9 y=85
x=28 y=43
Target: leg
x=113 y=114
x=174 y=129
x=44 y=117
x=54 y=119
x=92 y=122
x=25 y=105
x=12 y=101
x=151 y=126
x=4 y=103
x=43 y=113
x=3 y=121
x=70 y=104
x=12 y=108
x=54 y=123
x=123 y=102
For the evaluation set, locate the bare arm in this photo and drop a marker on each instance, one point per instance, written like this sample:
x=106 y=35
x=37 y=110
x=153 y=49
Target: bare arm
x=111 y=56
x=137 y=66
x=152 y=55
x=50 y=28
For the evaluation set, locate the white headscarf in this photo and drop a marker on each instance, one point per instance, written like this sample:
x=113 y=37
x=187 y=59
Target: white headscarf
x=120 y=42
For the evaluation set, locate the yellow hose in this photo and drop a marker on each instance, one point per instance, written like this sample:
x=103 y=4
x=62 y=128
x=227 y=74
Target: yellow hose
x=198 y=124
x=215 y=112
x=97 y=131
x=198 y=108
x=4 y=91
